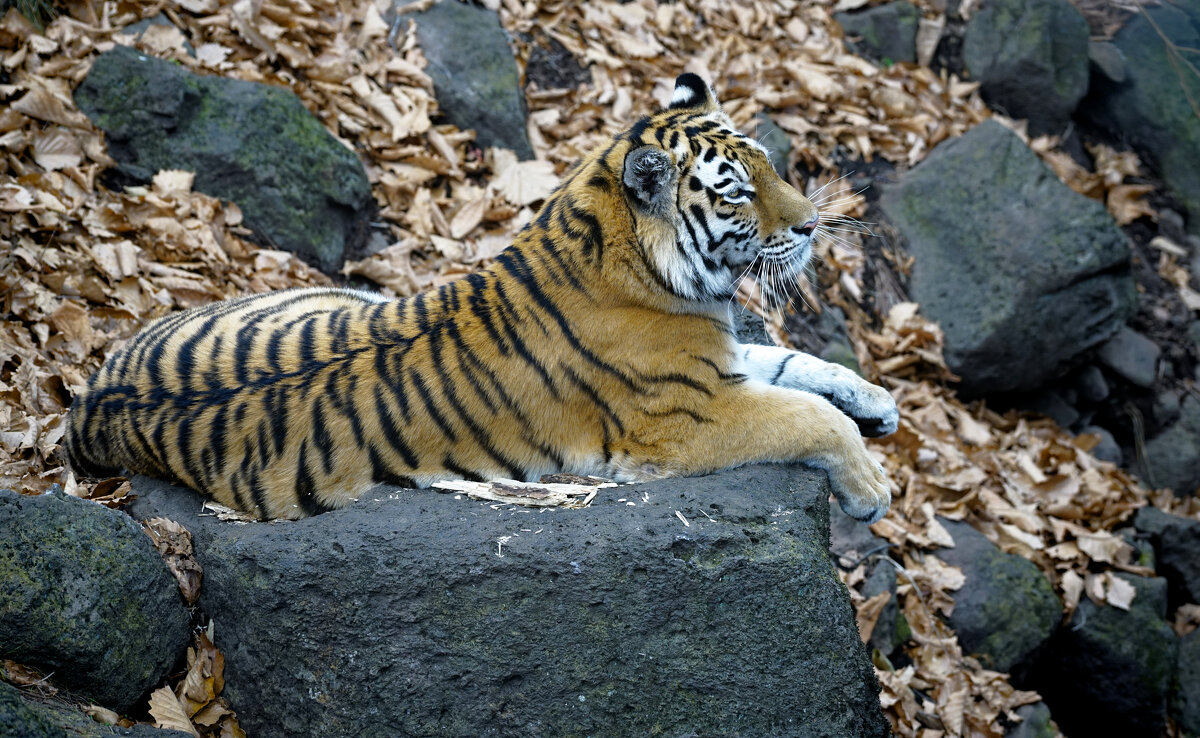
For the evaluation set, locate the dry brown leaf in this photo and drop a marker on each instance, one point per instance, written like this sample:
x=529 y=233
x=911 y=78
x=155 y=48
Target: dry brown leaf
x=168 y=713
x=868 y=613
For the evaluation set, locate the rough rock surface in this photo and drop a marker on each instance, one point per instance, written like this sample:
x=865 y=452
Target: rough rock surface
x=1022 y=273
x=83 y=594
x=886 y=33
x=298 y=187
x=1131 y=355
x=1176 y=543
x=1173 y=456
x=415 y=613
x=1031 y=57
x=1109 y=671
x=22 y=718
x=778 y=143
x=474 y=72
x=1035 y=722
x=1185 y=703
x=1006 y=610
x=1149 y=103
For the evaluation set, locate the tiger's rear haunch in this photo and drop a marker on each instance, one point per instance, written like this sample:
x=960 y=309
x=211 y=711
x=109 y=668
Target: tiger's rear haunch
x=600 y=343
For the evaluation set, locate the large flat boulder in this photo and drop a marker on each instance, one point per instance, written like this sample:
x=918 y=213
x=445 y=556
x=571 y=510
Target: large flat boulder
x=1022 y=273
x=298 y=187
x=83 y=594
x=414 y=612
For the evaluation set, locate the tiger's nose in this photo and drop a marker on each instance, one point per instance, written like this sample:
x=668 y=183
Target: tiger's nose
x=806 y=229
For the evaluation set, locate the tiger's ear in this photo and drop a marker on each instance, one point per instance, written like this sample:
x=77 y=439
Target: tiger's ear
x=650 y=177
x=692 y=92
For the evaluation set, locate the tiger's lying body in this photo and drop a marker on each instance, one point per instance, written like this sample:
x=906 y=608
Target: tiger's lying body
x=600 y=343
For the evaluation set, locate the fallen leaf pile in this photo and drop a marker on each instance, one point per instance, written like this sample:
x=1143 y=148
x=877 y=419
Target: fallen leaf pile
x=85 y=265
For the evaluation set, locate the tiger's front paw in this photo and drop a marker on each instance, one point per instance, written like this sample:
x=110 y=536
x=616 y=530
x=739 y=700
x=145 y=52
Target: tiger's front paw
x=861 y=486
x=872 y=408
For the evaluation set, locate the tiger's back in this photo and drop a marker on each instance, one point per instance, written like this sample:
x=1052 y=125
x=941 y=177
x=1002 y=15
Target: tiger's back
x=598 y=343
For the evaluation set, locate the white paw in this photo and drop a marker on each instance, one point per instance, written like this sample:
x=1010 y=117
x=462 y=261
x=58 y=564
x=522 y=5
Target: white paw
x=874 y=410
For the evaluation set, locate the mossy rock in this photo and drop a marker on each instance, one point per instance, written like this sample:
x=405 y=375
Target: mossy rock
x=84 y=594
x=1150 y=103
x=1022 y=273
x=1031 y=57
x=298 y=187
x=26 y=718
x=474 y=72
x=1007 y=609
x=1110 y=671
x=885 y=33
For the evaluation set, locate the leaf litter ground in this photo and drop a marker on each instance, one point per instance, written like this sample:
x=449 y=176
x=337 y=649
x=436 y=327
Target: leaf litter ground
x=87 y=265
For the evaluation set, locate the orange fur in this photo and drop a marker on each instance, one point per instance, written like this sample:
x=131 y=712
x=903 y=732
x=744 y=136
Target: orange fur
x=574 y=351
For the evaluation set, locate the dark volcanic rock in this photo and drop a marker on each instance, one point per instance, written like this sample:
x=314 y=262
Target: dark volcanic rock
x=1031 y=57
x=1131 y=355
x=1007 y=609
x=474 y=72
x=1176 y=543
x=1035 y=722
x=1022 y=273
x=1185 y=704
x=777 y=143
x=22 y=718
x=1149 y=102
x=415 y=613
x=297 y=186
x=1173 y=456
x=1109 y=671
x=886 y=33
x=84 y=594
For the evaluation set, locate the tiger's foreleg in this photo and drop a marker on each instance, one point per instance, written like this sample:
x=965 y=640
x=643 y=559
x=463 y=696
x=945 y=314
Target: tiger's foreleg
x=868 y=404
x=755 y=422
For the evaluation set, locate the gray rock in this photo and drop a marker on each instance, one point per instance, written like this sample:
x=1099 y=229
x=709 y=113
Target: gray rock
x=1177 y=550
x=1091 y=384
x=1031 y=57
x=1006 y=610
x=1035 y=722
x=1152 y=107
x=1173 y=456
x=1107 y=60
x=850 y=540
x=1053 y=405
x=1109 y=671
x=552 y=66
x=84 y=594
x=1108 y=449
x=1185 y=703
x=778 y=143
x=825 y=336
x=414 y=613
x=1131 y=355
x=474 y=72
x=25 y=718
x=298 y=187
x=1167 y=405
x=1194 y=329
x=886 y=33
x=1022 y=273
x=891 y=629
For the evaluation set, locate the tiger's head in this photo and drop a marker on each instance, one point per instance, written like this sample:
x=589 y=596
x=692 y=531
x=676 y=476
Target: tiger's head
x=708 y=206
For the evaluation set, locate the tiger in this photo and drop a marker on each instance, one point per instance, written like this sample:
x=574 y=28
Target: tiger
x=599 y=343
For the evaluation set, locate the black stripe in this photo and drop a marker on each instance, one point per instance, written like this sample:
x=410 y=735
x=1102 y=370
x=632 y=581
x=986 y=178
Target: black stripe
x=782 y=367
x=450 y=465
x=391 y=431
x=322 y=438
x=678 y=411
x=434 y=413
x=306 y=486
x=593 y=395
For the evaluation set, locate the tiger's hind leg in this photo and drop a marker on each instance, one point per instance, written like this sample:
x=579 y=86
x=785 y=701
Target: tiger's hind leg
x=869 y=405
